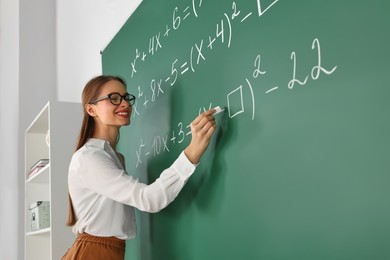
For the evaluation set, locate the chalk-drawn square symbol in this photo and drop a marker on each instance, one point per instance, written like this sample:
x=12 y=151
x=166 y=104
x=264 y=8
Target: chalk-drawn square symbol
x=235 y=100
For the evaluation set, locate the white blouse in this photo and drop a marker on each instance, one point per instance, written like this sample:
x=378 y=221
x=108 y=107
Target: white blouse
x=104 y=195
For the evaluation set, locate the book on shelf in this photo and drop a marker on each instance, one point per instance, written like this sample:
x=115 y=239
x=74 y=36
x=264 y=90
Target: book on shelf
x=37 y=167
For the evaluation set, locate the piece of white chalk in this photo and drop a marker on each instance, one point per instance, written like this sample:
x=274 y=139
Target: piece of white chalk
x=218 y=110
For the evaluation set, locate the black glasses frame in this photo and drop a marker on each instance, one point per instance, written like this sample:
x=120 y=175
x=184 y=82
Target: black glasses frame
x=129 y=98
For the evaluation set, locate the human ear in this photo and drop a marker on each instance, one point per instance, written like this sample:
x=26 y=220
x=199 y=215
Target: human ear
x=90 y=109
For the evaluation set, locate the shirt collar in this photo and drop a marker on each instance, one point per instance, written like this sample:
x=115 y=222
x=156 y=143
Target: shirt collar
x=99 y=143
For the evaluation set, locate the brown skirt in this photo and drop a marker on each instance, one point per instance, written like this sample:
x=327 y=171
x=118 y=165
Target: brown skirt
x=96 y=248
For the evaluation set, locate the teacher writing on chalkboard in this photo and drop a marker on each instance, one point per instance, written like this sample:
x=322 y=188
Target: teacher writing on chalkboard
x=102 y=196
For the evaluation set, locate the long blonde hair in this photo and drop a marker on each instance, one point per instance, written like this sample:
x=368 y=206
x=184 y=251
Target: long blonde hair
x=91 y=91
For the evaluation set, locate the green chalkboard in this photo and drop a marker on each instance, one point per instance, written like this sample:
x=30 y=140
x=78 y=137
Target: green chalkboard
x=299 y=167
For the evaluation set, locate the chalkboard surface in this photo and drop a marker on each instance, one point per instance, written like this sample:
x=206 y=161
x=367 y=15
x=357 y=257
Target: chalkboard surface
x=299 y=167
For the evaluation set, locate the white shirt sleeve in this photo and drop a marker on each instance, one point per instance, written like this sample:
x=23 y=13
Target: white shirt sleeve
x=101 y=174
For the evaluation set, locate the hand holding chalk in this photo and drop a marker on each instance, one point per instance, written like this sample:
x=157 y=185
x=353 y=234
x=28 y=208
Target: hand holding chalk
x=202 y=128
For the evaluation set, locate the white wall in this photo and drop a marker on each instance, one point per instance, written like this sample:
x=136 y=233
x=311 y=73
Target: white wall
x=48 y=50
x=10 y=194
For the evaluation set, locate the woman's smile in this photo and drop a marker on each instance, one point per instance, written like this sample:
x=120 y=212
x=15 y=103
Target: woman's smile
x=123 y=113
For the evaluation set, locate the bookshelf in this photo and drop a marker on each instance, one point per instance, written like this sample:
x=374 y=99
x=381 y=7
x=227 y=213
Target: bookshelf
x=51 y=135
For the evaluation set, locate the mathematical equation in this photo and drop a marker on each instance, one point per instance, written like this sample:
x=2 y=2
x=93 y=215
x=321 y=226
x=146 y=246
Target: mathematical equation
x=161 y=143
x=179 y=15
x=197 y=52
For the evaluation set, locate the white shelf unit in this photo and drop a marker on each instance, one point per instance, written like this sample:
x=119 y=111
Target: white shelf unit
x=62 y=120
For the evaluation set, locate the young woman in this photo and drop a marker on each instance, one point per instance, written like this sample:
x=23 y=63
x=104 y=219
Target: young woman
x=102 y=196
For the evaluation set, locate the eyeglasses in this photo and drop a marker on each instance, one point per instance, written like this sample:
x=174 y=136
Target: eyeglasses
x=116 y=99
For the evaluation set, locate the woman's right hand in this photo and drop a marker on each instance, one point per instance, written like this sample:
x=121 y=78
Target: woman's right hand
x=202 y=128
